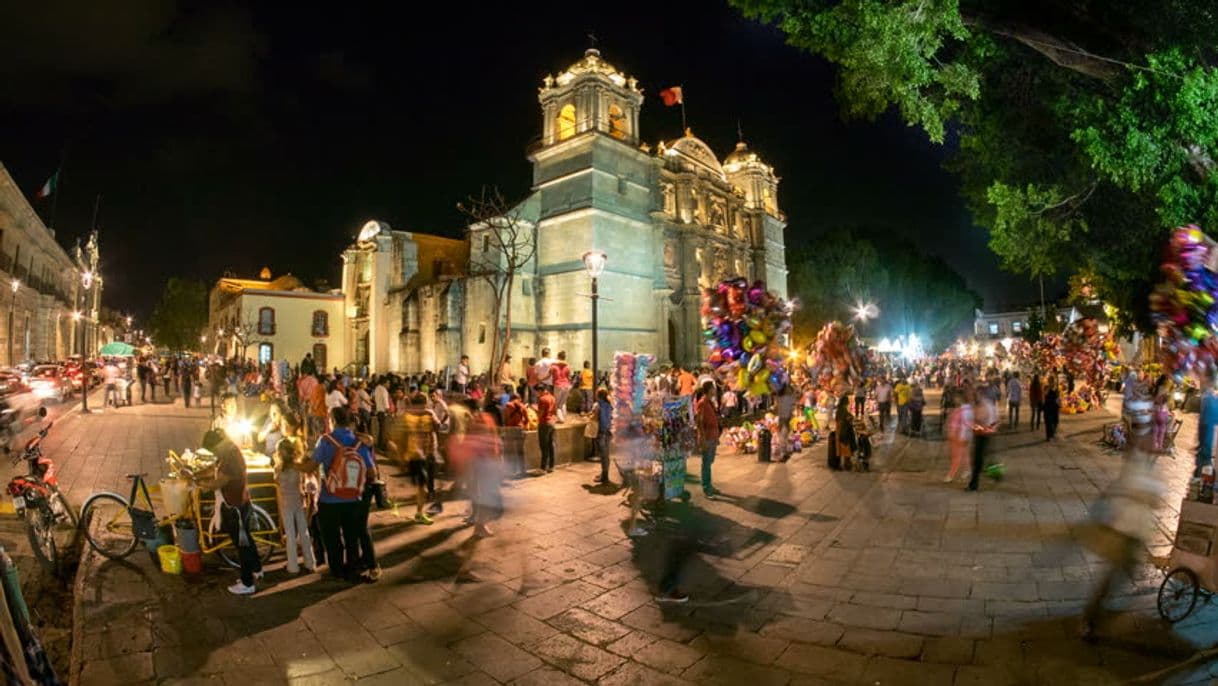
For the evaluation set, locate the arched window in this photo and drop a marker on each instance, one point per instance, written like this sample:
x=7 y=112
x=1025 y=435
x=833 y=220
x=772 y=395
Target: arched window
x=319 y=355
x=566 y=122
x=266 y=353
x=266 y=321
x=321 y=323
x=617 y=122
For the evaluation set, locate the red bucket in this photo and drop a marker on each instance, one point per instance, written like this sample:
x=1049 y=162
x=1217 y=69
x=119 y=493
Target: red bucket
x=192 y=563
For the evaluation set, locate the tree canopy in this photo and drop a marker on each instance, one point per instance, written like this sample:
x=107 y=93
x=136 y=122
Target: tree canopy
x=180 y=315
x=914 y=292
x=1086 y=128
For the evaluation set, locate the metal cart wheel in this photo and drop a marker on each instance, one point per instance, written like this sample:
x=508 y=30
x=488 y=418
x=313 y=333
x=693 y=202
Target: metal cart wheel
x=1178 y=594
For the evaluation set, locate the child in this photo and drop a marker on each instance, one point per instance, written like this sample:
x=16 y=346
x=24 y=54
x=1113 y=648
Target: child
x=293 y=481
x=1162 y=420
x=959 y=433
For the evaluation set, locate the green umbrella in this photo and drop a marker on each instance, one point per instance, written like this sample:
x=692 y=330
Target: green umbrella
x=117 y=349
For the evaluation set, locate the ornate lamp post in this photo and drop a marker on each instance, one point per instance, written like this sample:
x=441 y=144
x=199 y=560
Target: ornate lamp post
x=594 y=262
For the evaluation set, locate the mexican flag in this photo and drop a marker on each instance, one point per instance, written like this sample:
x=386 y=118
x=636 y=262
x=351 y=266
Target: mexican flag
x=49 y=187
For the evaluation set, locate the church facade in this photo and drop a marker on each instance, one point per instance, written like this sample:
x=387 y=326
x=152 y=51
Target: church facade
x=672 y=220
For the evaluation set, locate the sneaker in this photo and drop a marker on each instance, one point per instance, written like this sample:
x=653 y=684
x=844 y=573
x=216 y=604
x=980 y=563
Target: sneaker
x=259 y=574
x=435 y=508
x=637 y=532
x=241 y=589
x=673 y=596
x=373 y=574
x=421 y=518
x=948 y=479
x=292 y=569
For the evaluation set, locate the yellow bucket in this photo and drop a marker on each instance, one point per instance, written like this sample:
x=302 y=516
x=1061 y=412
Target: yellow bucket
x=171 y=559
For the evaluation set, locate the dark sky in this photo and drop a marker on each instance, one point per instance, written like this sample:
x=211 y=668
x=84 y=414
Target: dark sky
x=228 y=136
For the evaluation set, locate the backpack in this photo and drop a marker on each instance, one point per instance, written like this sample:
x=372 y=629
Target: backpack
x=347 y=473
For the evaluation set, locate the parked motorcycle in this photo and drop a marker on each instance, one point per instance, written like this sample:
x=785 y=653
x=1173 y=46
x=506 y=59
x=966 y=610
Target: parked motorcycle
x=37 y=500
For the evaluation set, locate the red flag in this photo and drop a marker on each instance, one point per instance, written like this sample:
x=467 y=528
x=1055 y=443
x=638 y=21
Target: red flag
x=671 y=96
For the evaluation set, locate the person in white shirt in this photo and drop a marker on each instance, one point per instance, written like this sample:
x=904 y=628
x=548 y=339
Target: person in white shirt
x=545 y=371
x=1014 y=398
x=461 y=378
x=381 y=406
x=883 y=398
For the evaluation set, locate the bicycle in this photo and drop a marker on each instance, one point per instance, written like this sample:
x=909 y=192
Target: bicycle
x=38 y=500
x=113 y=525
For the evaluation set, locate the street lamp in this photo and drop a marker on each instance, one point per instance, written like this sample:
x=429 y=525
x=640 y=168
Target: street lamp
x=594 y=262
x=865 y=311
x=16 y=286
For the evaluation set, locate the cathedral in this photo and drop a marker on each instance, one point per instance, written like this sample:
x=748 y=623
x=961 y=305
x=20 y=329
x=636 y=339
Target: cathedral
x=671 y=219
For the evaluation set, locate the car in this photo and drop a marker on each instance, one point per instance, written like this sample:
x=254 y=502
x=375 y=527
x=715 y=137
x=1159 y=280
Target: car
x=18 y=403
x=50 y=381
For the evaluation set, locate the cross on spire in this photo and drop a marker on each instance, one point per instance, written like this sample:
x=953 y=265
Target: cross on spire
x=592 y=40
x=739 y=132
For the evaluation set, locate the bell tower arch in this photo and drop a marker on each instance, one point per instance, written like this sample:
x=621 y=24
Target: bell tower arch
x=591 y=95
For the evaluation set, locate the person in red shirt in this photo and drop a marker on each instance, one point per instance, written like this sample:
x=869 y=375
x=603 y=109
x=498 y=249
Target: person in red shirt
x=515 y=419
x=706 y=420
x=547 y=407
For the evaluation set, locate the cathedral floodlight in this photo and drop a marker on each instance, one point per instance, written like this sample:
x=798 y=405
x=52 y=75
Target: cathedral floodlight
x=594 y=262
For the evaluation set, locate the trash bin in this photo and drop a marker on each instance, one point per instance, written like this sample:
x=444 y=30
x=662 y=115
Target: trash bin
x=763 y=445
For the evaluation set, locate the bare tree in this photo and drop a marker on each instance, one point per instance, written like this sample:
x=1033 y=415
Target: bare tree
x=508 y=246
x=244 y=333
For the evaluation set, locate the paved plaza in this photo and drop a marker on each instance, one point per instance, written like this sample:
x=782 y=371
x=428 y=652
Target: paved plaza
x=798 y=575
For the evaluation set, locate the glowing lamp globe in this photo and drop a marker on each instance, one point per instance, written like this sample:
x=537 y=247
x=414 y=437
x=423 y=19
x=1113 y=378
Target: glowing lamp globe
x=594 y=262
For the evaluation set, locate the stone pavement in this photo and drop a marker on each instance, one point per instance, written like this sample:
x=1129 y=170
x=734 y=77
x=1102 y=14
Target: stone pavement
x=798 y=575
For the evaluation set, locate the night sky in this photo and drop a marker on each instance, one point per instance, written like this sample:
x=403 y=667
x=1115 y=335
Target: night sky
x=227 y=137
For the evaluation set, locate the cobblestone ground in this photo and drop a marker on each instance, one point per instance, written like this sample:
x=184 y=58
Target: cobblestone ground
x=798 y=575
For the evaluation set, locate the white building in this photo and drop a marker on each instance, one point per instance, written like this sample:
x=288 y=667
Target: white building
x=50 y=301
x=672 y=221
x=1013 y=323
x=269 y=319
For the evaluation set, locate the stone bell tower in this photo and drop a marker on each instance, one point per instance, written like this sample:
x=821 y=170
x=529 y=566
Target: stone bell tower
x=594 y=188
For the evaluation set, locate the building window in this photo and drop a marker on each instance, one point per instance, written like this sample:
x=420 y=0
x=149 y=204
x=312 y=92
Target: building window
x=617 y=122
x=266 y=353
x=481 y=333
x=319 y=355
x=526 y=287
x=486 y=242
x=993 y=328
x=321 y=323
x=566 y=122
x=1017 y=327
x=266 y=321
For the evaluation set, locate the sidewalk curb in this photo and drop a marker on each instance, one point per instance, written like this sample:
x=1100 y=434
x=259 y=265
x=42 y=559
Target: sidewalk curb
x=76 y=664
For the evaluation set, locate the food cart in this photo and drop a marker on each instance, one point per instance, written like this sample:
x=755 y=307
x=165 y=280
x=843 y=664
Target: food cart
x=1193 y=563
x=194 y=503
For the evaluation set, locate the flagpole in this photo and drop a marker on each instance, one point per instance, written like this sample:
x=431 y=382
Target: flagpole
x=684 y=128
x=58 y=176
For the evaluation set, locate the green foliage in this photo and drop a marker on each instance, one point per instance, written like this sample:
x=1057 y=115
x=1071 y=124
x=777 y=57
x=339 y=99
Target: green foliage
x=915 y=292
x=180 y=315
x=1086 y=129
x=891 y=53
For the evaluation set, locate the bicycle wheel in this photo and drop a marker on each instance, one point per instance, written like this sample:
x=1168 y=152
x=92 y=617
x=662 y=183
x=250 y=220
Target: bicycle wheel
x=1178 y=594
x=107 y=525
x=40 y=527
x=265 y=534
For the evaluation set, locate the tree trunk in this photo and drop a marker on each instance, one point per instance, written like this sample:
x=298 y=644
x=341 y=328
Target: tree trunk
x=507 y=319
x=492 y=374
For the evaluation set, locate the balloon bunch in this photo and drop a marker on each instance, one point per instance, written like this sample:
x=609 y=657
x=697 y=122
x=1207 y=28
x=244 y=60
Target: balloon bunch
x=1183 y=307
x=629 y=389
x=744 y=327
x=1082 y=348
x=836 y=358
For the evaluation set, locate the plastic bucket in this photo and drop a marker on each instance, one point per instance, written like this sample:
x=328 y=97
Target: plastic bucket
x=187 y=536
x=176 y=495
x=171 y=559
x=192 y=563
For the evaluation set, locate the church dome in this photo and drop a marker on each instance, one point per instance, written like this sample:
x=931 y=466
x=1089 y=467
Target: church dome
x=593 y=64
x=743 y=158
x=691 y=151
